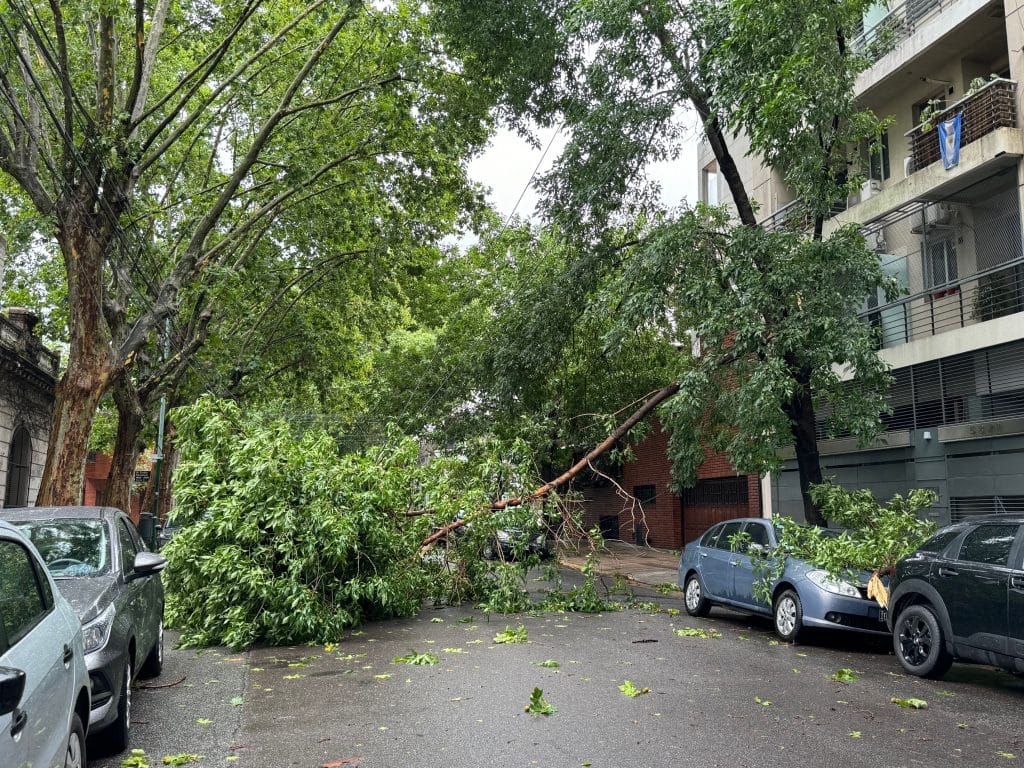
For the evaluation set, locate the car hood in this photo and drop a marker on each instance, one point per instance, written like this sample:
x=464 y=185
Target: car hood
x=88 y=595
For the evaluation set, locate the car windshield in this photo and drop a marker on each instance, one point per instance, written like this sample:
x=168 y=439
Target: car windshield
x=71 y=547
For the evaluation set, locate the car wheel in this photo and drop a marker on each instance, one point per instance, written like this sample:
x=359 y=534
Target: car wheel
x=789 y=616
x=74 y=757
x=154 y=663
x=693 y=597
x=116 y=734
x=918 y=643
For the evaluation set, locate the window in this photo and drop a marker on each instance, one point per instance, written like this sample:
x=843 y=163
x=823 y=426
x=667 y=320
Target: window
x=728 y=531
x=128 y=549
x=22 y=603
x=70 y=547
x=709 y=184
x=19 y=469
x=875 y=158
x=989 y=544
x=938 y=543
x=939 y=262
x=645 y=494
x=708 y=539
x=759 y=534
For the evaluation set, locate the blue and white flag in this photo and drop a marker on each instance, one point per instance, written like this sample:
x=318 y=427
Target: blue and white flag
x=949 y=141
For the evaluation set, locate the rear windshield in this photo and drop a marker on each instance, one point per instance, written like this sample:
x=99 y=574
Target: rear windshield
x=70 y=547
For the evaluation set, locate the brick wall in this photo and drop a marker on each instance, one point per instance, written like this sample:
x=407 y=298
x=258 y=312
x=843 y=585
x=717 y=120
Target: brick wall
x=663 y=517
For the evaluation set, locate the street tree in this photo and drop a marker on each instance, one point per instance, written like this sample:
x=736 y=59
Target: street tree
x=165 y=143
x=774 y=311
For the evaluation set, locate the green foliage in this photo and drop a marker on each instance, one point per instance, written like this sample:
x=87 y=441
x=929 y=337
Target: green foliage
x=909 y=703
x=844 y=675
x=548 y=664
x=285 y=540
x=706 y=634
x=630 y=689
x=511 y=636
x=538 y=705
x=137 y=758
x=872 y=536
x=583 y=598
x=417 y=659
x=183 y=758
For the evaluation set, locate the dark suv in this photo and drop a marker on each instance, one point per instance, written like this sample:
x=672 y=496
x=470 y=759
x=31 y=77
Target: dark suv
x=961 y=596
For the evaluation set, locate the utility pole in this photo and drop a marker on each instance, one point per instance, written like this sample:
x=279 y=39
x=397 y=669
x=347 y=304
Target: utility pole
x=147 y=520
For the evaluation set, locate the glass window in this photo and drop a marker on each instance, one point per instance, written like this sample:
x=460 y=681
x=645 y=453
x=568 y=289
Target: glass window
x=128 y=548
x=21 y=601
x=70 y=547
x=708 y=539
x=875 y=157
x=989 y=544
x=645 y=494
x=709 y=183
x=940 y=263
x=759 y=534
x=728 y=531
x=938 y=543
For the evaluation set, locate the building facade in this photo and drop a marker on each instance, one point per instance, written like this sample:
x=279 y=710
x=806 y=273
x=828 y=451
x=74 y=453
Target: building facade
x=950 y=233
x=637 y=505
x=28 y=376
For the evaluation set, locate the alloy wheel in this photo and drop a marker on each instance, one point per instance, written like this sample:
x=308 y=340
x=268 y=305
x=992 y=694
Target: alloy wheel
x=785 y=616
x=693 y=594
x=73 y=758
x=915 y=640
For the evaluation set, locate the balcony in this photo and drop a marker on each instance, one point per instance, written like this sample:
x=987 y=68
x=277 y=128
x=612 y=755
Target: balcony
x=897 y=25
x=987 y=109
x=985 y=295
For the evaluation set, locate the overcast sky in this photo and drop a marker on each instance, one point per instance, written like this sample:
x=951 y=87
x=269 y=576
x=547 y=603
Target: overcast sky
x=506 y=167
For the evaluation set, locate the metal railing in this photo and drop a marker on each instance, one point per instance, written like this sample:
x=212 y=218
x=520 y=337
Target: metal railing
x=986 y=109
x=895 y=26
x=982 y=296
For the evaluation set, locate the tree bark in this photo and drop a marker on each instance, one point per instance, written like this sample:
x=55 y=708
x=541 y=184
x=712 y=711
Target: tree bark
x=127 y=448
x=90 y=363
x=800 y=411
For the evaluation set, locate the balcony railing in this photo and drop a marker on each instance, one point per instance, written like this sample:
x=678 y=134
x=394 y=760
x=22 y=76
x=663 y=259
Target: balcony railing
x=988 y=108
x=985 y=295
x=896 y=26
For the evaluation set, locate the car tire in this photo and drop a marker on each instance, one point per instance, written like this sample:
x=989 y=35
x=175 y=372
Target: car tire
x=74 y=754
x=154 y=663
x=788 y=616
x=115 y=736
x=693 y=597
x=918 y=642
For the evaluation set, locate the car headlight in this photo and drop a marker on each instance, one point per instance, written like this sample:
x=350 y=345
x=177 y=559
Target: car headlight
x=835 y=586
x=96 y=633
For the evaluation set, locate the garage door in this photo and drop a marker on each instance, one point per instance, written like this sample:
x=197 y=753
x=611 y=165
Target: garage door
x=712 y=501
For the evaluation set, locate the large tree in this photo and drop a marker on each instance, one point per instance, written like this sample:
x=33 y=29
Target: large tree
x=775 y=311
x=168 y=142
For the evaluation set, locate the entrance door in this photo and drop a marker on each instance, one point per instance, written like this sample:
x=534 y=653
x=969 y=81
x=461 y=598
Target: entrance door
x=712 y=501
x=19 y=469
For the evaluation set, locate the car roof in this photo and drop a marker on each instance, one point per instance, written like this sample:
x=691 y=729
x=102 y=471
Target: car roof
x=52 y=513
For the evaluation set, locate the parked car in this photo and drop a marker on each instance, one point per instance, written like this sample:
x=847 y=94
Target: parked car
x=44 y=683
x=102 y=567
x=710 y=573
x=960 y=596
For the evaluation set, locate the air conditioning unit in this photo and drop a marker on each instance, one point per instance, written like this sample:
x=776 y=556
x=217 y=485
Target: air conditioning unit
x=870 y=187
x=940 y=214
x=876 y=241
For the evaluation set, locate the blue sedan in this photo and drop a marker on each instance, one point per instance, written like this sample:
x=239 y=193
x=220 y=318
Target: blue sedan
x=710 y=573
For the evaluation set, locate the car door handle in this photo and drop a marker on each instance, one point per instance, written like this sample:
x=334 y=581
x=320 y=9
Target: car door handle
x=19 y=719
x=948 y=572
x=703 y=554
x=734 y=563
x=1017 y=582
x=69 y=654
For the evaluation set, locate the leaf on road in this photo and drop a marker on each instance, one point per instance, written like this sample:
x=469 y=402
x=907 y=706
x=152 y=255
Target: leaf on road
x=854 y=734
x=844 y=675
x=762 y=702
x=416 y=659
x=237 y=701
x=1006 y=755
x=511 y=636
x=629 y=689
x=537 y=705
x=909 y=703
x=549 y=663
x=183 y=758
x=707 y=634
x=946 y=693
x=437 y=620
x=203 y=720
x=384 y=676
x=136 y=759
x=454 y=650
x=293 y=677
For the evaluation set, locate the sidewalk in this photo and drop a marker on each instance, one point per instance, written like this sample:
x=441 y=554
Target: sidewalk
x=645 y=565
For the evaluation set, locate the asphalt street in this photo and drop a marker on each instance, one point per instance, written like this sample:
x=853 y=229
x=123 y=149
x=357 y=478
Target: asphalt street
x=740 y=699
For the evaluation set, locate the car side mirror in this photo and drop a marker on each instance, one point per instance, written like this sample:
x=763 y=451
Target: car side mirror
x=12 y=686
x=146 y=564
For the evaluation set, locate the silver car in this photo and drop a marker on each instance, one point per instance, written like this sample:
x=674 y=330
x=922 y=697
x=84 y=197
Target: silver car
x=102 y=567
x=44 y=683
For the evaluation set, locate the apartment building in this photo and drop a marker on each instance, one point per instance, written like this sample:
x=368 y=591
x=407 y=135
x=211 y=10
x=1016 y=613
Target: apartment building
x=951 y=234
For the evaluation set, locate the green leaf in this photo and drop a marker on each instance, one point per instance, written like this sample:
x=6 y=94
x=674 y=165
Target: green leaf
x=909 y=703
x=707 y=634
x=629 y=689
x=416 y=659
x=537 y=705
x=237 y=701
x=844 y=675
x=183 y=758
x=511 y=636
x=549 y=663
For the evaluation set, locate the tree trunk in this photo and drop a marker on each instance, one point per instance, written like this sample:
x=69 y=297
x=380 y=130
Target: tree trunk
x=127 y=448
x=800 y=411
x=90 y=362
